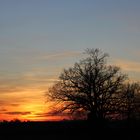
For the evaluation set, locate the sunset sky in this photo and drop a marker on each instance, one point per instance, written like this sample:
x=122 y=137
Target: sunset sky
x=38 y=38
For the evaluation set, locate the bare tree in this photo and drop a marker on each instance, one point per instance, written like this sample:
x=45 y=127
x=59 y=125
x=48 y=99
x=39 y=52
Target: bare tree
x=89 y=86
x=129 y=103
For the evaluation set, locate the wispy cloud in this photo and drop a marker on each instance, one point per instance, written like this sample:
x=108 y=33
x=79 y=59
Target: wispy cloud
x=60 y=55
x=18 y=113
x=3 y=110
x=38 y=77
x=26 y=56
x=127 y=65
x=14 y=104
x=50 y=114
x=131 y=68
x=137 y=53
x=35 y=70
x=9 y=89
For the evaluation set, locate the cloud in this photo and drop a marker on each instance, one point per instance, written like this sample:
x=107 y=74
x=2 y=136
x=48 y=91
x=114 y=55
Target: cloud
x=60 y=55
x=39 y=77
x=9 y=89
x=8 y=103
x=51 y=114
x=1 y=102
x=42 y=73
x=14 y=104
x=3 y=110
x=11 y=83
x=135 y=52
x=27 y=57
x=127 y=65
x=18 y=113
x=131 y=68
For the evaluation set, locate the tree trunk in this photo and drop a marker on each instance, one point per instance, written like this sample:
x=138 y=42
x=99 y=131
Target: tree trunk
x=95 y=119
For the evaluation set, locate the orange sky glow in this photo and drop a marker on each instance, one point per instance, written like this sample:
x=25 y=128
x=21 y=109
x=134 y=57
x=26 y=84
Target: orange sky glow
x=29 y=102
x=26 y=106
x=23 y=96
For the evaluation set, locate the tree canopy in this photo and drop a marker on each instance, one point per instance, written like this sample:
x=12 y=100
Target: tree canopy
x=93 y=87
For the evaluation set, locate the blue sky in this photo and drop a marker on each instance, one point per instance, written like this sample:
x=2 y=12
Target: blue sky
x=38 y=38
x=65 y=24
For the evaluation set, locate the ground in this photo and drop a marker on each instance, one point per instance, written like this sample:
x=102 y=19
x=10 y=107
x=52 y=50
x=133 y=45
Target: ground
x=68 y=130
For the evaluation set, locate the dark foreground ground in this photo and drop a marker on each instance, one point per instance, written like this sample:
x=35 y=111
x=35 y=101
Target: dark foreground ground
x=69 y=130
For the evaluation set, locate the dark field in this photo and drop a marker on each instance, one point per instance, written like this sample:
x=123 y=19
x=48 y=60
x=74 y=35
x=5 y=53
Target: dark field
x=69 y=130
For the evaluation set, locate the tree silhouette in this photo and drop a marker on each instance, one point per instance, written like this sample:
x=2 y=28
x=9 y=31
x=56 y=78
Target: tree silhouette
x=129 y=100
x=90 y=86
